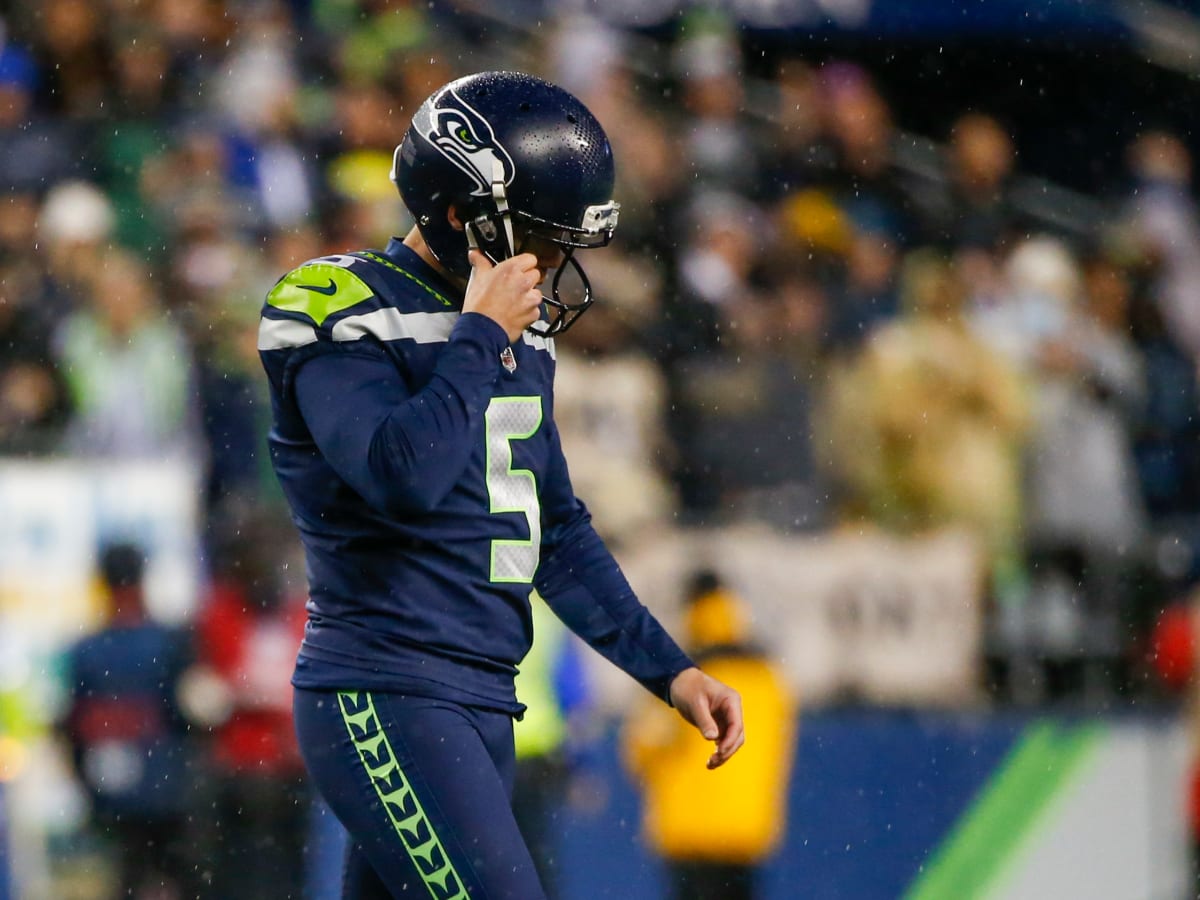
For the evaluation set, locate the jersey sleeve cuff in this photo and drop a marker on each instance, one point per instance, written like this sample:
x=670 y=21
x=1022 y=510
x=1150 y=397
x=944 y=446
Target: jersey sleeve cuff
x=479 y=328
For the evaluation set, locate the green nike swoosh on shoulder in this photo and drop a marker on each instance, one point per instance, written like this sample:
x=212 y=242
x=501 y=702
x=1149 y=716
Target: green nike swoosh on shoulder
x=301 y=290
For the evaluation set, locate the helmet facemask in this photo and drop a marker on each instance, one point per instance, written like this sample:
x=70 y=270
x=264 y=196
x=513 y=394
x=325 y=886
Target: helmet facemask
x=501 y=233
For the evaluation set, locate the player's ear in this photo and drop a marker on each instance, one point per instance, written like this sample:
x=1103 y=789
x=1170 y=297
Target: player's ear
x=452 y=217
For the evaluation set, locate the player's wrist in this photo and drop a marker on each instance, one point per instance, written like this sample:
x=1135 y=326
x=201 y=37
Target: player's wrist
x=483 y=329
x=681 y=682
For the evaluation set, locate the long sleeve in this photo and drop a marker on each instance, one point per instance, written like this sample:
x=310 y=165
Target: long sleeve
x=401 y=451
x=580 y=580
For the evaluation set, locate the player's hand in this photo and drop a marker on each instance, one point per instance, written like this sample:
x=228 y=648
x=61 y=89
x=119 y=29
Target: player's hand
x=506 y=293
x=714 y=708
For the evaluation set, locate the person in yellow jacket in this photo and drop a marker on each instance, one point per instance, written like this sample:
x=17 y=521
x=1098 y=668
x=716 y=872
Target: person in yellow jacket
x=715 y=829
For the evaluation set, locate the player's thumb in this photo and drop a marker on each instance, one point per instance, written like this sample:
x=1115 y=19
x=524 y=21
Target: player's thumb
x=478 y=260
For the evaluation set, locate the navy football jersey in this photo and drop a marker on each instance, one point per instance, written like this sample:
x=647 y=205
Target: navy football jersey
x=418 y=452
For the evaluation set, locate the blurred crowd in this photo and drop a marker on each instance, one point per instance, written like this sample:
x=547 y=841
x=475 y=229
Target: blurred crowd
x=809 y=318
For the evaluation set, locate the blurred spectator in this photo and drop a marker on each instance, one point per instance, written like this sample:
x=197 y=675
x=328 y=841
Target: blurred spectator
x=139 y=128
x=1164 y=225
x=976 y=208
x=129 y=737
x=594 y=61
x=19 y=210
x=814 y=228
x=865 y=180
x=865 y=292
x=1090 y=390
x=128 y=369
x=357 y=150
x=799 y=149
x=33 y=396
x=718 y=144
x=191 y=180
x=225 y=282
x=73 y=230
x=716 y=829
x=697 y=325
x=75 y=58
x=724 y=239
x=36 y=150
x=194 y=31
x=373 y=34
x=1084 y=513
x=926 y=424
x=615 y=438
x=210 y=259
x=417 y=71
x=1167 y=440
x=259 y=71
x=257 y=93
x=553 y=685
x=248 y=633
x=746 y=451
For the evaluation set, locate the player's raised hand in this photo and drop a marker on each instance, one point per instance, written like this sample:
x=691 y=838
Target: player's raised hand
x=507 y=293
x=714 y=708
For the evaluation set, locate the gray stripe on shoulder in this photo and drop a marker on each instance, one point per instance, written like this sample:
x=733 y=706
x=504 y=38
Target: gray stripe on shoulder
x=279 y=334
x=344 y=260
x=392 y=325
x=537 y=342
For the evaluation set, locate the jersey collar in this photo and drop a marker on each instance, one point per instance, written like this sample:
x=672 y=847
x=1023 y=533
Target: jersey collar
x=406 y=258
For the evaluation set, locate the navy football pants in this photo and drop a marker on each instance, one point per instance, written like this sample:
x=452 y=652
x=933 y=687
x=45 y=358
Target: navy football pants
x=424 y=788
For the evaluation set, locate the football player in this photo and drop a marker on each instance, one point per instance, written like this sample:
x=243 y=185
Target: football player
x=414 y=437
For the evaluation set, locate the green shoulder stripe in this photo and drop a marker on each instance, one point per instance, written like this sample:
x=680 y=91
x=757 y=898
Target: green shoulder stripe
x=384 y=261
x=318 y=290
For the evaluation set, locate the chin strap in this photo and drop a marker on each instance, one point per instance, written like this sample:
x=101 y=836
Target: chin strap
x=500 y=198
x=482 y=233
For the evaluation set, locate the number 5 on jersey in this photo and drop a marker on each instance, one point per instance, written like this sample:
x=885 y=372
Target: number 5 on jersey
x=512 y=490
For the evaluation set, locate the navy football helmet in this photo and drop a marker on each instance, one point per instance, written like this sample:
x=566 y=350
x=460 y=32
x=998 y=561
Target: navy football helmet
x=518 y=158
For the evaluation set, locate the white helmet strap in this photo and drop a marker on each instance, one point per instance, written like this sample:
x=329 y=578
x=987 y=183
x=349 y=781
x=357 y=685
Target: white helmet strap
x=501 y=200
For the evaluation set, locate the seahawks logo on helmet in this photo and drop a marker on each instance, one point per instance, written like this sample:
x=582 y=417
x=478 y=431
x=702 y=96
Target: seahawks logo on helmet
x=466 y=138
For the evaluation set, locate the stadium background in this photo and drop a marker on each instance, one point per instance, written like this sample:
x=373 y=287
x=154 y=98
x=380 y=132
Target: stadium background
x=947 y=747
